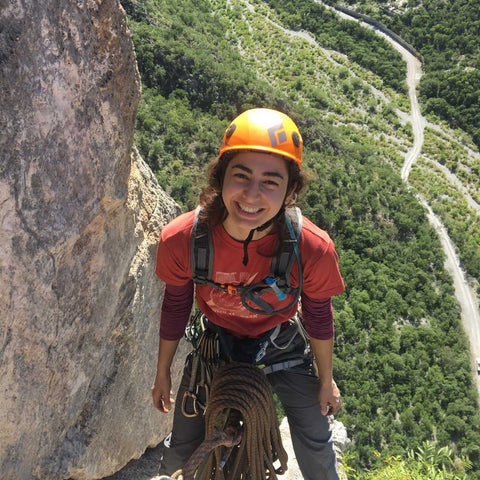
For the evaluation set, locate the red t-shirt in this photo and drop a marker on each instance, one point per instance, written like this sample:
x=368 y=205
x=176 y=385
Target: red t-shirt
x=321 y=276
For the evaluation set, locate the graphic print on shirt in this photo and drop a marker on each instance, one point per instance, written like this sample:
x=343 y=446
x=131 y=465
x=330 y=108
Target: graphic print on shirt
x=237 y=278
x=231 y=305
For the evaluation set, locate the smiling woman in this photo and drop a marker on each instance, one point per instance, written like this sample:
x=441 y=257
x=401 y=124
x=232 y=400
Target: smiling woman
x=261 y=250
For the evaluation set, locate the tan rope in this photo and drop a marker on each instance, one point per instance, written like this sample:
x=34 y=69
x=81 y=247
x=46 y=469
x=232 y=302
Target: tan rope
x=241 y=429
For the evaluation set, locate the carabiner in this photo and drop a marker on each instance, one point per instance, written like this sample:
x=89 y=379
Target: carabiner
x=191 y=395
x=197 y=401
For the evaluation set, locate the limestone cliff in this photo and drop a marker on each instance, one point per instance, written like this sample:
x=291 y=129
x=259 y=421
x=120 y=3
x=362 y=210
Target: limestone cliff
x=79 y=218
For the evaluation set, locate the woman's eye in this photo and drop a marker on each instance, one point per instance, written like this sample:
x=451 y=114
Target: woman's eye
x=270 y=183
x=240 y=175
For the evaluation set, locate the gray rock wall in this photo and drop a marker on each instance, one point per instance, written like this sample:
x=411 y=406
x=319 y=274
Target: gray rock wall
x=80 y=215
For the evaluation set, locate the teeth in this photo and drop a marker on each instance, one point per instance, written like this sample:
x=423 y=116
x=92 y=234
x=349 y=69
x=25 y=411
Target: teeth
x=248 y=209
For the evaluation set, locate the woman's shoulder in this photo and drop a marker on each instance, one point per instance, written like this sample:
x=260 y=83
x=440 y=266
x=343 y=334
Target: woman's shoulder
x=312 y=234
x=179 y=227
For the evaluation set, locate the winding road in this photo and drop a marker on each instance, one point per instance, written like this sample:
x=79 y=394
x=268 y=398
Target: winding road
x=464 y=293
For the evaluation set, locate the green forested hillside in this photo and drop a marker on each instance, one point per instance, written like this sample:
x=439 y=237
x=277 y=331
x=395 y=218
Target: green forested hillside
x=401 y=356
x=447 y=34
x=360 y=44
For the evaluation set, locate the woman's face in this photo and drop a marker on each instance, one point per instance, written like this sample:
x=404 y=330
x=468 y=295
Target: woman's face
x=254 y=190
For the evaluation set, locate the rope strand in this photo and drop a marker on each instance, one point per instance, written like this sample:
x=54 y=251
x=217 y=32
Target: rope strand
x=241 y=429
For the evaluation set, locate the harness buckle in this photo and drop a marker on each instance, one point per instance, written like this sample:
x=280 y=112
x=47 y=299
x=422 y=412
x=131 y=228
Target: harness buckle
x=261 y=351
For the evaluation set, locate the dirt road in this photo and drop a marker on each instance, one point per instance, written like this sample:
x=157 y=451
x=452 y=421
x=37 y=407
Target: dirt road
x=465 y=295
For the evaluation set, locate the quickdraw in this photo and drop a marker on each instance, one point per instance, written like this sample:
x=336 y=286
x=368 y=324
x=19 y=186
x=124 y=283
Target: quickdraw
x=205 y=360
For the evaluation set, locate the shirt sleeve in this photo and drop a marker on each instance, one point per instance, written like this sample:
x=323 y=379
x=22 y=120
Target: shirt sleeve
x=317 y=316
x=321 y=274
x=176 y=309
x=173 y=252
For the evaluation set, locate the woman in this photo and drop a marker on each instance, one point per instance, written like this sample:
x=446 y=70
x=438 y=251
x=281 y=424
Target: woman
x=256 y=176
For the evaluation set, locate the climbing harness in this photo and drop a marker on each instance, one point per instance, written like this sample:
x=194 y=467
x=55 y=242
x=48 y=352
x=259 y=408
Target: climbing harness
x=305 y=357
x=213 y=347
x=202 y=254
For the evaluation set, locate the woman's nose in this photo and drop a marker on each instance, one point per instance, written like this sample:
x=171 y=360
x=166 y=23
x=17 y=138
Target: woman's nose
x=252 y=189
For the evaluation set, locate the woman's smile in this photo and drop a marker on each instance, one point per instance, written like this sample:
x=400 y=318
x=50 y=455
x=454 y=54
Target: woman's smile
x=248 y=210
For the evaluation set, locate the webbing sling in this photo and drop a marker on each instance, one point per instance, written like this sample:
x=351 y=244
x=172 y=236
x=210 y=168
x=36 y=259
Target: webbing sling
x=201 y=259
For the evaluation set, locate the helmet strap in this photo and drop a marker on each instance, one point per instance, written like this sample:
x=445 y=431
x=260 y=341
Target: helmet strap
x=245 y=245
x=261 y=228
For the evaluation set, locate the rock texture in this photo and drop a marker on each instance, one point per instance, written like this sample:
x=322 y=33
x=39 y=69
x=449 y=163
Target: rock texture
x=79 y=219
x=340 y=439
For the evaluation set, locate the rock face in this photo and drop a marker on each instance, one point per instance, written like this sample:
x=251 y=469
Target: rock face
x=80 y=215
x=340 y=440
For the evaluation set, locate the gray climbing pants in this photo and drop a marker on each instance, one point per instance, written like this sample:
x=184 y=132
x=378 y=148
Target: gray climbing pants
x=297 y=390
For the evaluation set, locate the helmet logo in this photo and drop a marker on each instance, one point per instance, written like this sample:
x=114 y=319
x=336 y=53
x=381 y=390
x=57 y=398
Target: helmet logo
x=277 y=134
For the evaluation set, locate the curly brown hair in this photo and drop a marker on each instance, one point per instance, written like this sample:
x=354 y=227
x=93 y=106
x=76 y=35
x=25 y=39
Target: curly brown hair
x=213 y=208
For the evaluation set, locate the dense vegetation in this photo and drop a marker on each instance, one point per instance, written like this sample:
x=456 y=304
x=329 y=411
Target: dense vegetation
x=360 y=44
x=447 y=35
x=401 y=357
x=193 y=80
x=427 y=462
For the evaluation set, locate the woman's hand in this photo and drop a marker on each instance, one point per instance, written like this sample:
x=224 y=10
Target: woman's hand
x=161 y=393
x=328 y=394
x=329 y=397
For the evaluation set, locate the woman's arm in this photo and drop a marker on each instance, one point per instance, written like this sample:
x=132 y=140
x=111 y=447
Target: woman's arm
x=329 y=395
x=318 y=317
x=161 y=389
x=176 y=308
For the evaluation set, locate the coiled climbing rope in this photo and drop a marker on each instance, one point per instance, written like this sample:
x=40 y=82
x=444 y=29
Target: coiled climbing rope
x=241 y=429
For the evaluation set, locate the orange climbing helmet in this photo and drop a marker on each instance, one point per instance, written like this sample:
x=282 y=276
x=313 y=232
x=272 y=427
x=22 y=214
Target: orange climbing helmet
x=264 y=130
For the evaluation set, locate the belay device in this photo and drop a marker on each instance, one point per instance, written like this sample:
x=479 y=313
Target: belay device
x=202 y=254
